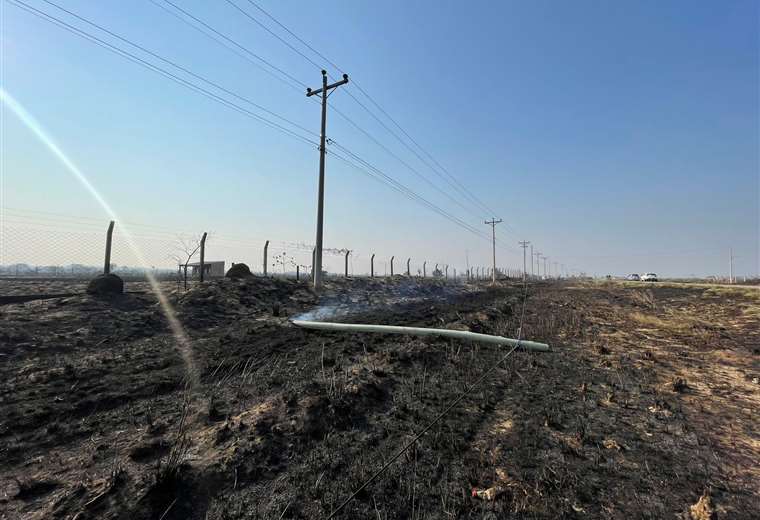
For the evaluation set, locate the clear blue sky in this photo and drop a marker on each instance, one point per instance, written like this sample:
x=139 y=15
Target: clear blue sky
x=616 y=136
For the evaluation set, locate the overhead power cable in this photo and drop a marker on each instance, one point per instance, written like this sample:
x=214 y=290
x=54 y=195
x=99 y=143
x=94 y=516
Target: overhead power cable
x=155 y=68
x=188 y=84
x=452 y=180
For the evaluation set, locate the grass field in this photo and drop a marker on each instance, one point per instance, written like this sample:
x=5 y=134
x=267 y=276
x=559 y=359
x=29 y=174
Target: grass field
x=645 y=408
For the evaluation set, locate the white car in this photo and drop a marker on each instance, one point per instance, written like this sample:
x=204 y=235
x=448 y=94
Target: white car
x=633 y=277
x=649 y=277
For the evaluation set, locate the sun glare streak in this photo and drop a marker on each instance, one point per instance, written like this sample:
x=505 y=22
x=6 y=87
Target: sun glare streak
x=183 y=341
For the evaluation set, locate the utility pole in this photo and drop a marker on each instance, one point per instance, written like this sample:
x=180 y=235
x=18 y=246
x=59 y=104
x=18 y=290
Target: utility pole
x=545 y=271
x=731 y=265
x=493 y=223
x=538 y=263
x=555 y=270
x=524 y=245
x=531 y=261
x=325 y=92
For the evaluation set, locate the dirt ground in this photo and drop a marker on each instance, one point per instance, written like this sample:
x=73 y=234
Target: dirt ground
x=647 y=406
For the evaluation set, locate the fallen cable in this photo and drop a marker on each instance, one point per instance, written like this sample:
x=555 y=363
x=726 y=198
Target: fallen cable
x=419 y=331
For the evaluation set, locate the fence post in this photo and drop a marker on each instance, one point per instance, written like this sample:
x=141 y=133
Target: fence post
x=392 y=266
x=109 y=238
x=455 y=274
x=447 y=271
x=266 y=248
x=347 y=253
x=424 y=265
x=313 y=256
x=298 y=272
x=408 y=273
x=203 y=254
x=372 y=266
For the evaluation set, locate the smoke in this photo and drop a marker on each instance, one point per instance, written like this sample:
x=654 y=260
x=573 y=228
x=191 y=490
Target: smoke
x=379 y=296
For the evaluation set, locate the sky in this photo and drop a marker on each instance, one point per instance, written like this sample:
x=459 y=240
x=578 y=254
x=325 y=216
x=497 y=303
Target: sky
x=616 y=137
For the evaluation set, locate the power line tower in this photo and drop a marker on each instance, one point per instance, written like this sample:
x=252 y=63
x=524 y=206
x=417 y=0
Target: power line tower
x=325 y=92
x=493 y=223
x=524 y=245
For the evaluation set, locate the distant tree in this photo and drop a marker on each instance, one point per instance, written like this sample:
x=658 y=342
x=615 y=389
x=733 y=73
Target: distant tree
x=186 y=249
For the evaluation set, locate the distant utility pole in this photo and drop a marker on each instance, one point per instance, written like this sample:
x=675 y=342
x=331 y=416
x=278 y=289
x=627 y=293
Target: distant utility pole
x=325 y=92
x=538 y=263
x=524 y=245
x=730 y=265
x=531 y=261
x=555 y=270
x=493 y=223
x=545 y=272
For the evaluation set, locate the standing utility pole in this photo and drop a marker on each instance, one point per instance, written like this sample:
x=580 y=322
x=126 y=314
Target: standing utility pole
x=524 y=245
x=532 y=274
x=493 y=223
x=731 y=265
x=538 y=263
x=325 y=92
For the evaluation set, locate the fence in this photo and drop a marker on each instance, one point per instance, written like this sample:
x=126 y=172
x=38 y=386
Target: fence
x=58 y=247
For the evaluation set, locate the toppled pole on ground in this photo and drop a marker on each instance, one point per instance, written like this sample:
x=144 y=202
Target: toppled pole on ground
x=420 y=331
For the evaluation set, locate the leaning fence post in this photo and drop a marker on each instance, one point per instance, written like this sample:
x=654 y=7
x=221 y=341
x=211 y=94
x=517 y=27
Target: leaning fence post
x=203 y=254
x=392 y=266
x=266 y=248
x=455 y=274
x=447 y=271
x=109 y=238
x=408 y=273
x=372 y=266
x=347 y=253
x=424 y=265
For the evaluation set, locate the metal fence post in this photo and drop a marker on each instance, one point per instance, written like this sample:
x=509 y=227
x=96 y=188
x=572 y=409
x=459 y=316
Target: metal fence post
x=392 y=266
x=298 y=272
x=424 y=265
x=447 y=271
x=203 y=254
x=313 y=257
x=408 y=272
x=266 y=248
x=347 y=253
x=109 y=238
x=372 y=266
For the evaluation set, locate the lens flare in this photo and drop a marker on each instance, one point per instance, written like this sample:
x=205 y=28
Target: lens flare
x=181 y=338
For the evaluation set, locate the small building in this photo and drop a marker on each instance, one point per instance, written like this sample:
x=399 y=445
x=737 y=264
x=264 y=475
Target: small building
x=210 y=268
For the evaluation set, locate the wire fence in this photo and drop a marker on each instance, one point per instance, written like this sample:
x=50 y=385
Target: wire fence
x=50 y=246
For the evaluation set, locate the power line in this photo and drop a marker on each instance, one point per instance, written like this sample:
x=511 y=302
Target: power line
x=461 y=187
x=236 y=44
x=155 y=68
x=188 y=84
x=457 y=187
x=180 y=67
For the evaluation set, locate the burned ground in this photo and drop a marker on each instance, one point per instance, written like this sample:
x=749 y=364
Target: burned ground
x=646 y=407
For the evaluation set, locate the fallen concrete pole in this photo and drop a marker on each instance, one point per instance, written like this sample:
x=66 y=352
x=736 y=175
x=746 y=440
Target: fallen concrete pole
x=419 y=331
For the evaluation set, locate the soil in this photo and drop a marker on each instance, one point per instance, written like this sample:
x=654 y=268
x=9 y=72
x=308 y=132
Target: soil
x=646 y=407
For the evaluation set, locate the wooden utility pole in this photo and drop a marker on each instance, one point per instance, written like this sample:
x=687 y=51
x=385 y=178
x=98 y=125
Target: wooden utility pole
x=323 y=92
x=524 y=245
x=493 y=223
